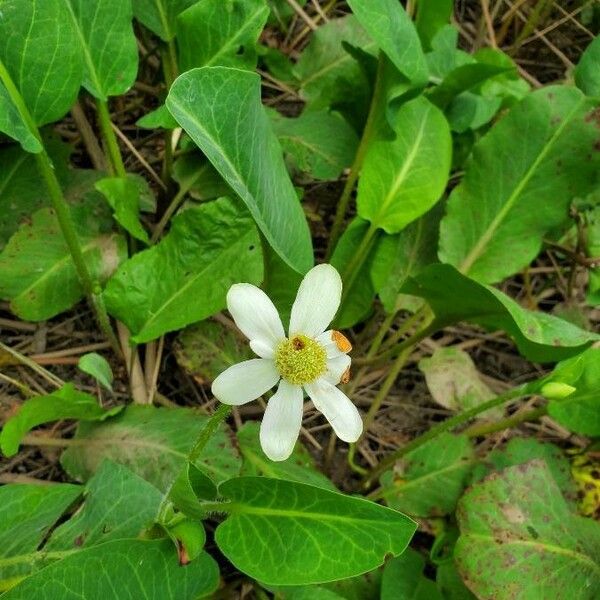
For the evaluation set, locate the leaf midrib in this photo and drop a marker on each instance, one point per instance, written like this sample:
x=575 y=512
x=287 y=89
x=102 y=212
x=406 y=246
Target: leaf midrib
x=479 y=248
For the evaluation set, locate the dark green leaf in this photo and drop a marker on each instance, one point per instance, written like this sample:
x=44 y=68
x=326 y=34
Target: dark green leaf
x=453 y=297
x=517 y=518
x=27 y=513
x=403 y=579
x=240 y=143
x=122 y=569
x=118 y=504
x=153 y=443
x=429 y=480
x=37 y=273
x=432 y=15
x=206 y=349
x=159 y=15
x=393 y=30
x=107 y=44
x=194 y=173
x=318 y=143
x=229 y=31
x=587 y=71
x=65 y=403
x=298 y=467
x=538 y=158
x=186 y=276
x=450 y=584
x=286 y=533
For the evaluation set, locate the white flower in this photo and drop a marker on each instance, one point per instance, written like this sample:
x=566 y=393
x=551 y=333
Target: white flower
x=310 y=358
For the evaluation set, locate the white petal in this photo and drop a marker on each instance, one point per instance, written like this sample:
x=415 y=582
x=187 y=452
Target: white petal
x=337 y=409
x=281 y=424
x=255 y=315
x=336 y=367
x=326 y=340
x=317 y=301
x=245 y=381
x=262 y=348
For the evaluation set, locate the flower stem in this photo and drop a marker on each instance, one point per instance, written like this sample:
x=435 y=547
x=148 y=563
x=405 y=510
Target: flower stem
x=451 y=423
x=215 y=420
x=359 y=158
x=110 y=139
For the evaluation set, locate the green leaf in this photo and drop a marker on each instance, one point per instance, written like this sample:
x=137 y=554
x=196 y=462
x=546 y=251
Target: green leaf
x=282 y=12
x=209 y=248
x=159 y=16
x=328 y=75
x=122 y=569
x=65 y=403
x=40 y=49
x=432 y=16
x=393 y=30
x=192 y=171
x=286 y=533
x=241 y=145
x=454 y=382
x=159 y=117
x=318 y=143
x=22 y=189
x=403 y=178
x=403 y=578
x=444 y=56
x=206 y=349
x=27 y=513
x=189 y=537
x=298 y=467
x=118 y=504
x=97 y=366
x=453 y=297
x=587 y=71
x=151 y=442
x=358 y=300
x=123 y=194
x=450 y=584
x=14 y=125
x=521 y=450
x=519 y=182
x=429 y=480
x=190 y=486
x=107 y=44
x=229 y=32
x=403 y=255
x=580 y=411
x=37 y=273
x=519 y=517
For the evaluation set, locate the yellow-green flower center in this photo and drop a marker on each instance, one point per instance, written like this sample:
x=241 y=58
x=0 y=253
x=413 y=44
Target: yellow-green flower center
x=300 y=359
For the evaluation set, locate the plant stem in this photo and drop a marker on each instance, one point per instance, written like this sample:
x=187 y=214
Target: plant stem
x=215 y=420
x=359 y=158
x=451 y=423
x=110 y=139
x=512 y=421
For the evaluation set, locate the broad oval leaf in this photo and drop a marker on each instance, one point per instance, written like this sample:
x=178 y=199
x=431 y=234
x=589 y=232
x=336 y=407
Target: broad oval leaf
x=429 y=480
x=229 y=32
x=159 y=16
x=403 y=178
x=454 y=297
x=153 y=443
x=40 y=49
x=519 y=182
x=186 y=276
x=65 y=403
x=393 y=30
x=239 y=141
x=107 y=43
x=98 y=367
x=285 y=533
x=519 y=517
x=37 y=273
x=27 y=514
x=146 y=569
x=587 y=71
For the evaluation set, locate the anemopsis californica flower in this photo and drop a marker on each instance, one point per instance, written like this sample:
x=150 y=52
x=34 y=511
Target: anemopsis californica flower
x=310 y=359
